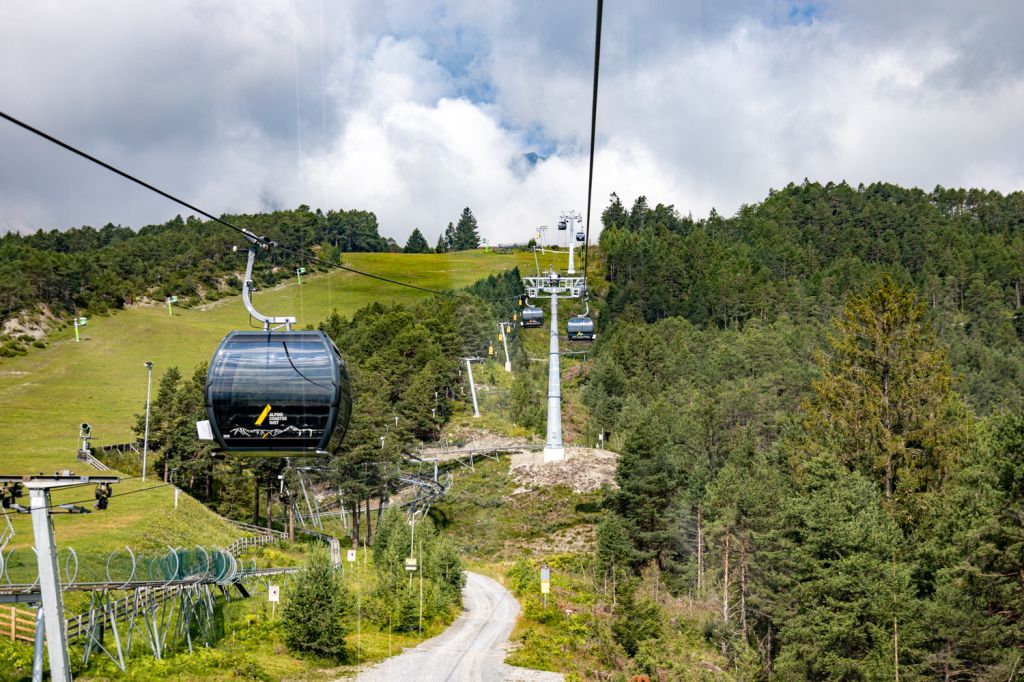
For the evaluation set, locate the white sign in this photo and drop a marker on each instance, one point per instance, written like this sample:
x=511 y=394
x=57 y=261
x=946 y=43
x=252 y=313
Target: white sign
x=204 y=430
x=274 y=593
x=351 y=555
x=410 y=563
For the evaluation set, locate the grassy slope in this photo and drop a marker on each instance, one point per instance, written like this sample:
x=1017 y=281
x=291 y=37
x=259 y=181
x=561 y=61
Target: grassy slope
x=489 y=521
x=46 y=394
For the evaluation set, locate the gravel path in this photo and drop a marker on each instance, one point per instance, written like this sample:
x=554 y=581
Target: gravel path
x=471 y=649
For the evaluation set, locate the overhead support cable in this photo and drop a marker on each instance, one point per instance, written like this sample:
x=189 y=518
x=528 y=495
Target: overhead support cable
x=310 y=258
x=593 y=132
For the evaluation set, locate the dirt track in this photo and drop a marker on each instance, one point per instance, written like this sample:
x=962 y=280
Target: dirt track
x=472 y=648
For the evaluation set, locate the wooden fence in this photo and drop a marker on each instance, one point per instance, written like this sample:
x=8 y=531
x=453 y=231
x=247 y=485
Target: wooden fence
x=17 y=624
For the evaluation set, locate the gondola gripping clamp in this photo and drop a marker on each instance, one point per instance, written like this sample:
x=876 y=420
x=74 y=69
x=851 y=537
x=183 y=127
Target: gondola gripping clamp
x=269 y=323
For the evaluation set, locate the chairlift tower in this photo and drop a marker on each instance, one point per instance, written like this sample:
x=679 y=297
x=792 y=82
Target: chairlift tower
x=472 y=384
x=557 y=287
x=39 y=488
x=504 y=342
x=570 y=220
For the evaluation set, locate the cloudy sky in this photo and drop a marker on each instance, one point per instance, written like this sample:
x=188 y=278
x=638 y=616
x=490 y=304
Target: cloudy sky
x=414 y=109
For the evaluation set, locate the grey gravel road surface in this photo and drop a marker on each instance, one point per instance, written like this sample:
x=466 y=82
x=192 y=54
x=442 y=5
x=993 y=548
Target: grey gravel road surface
x=472 y=649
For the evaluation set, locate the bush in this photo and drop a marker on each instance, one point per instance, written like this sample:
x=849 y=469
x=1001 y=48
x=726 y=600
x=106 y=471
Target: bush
x=316 y=614
x=639 y=620
x=15 y=660
x=523 y=577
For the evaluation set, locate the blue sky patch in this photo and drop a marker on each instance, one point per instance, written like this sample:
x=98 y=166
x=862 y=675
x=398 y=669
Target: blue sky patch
x=803 y=13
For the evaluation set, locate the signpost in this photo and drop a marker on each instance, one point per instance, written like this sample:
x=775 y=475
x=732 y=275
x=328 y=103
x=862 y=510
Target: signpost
x=299 y=272
x=273 y=596
x=545 y=583
x=79 y=322
x=170 y=300
x=351 y=556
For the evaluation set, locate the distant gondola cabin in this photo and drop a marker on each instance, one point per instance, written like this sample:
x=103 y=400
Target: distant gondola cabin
x=580 y=328
x=533 y=316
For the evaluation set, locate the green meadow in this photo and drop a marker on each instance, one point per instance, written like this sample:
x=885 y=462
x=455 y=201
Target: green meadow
x=101 y=380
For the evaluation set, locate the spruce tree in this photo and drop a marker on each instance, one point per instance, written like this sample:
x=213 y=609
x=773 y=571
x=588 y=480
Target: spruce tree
x=317 y=608
x=417 y=243
x=649 y=477
x=614 y=551
x=615 y=215
x=449 y=238
x=976 y=615
x=465 y=235
x=843 y=600
x=441 y=246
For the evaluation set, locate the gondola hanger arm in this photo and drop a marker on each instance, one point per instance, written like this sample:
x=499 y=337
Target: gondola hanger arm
x=269 y=323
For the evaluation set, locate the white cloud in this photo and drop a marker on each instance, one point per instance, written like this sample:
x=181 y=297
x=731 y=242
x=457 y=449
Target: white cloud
x=422 y=108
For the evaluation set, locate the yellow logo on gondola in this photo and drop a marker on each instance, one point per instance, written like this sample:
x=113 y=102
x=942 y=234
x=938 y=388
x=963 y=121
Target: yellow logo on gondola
x=263 y=415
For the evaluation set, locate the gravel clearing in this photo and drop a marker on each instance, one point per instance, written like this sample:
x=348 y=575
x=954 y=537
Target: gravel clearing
x=583 y=469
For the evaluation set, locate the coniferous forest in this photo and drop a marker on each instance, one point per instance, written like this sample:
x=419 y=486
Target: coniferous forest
x=818 y=406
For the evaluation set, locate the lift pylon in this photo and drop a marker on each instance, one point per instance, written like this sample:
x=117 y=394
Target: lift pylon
x=557 y=287
x=39 y=488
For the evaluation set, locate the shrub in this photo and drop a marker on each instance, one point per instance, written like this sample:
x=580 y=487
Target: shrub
x=523 y=577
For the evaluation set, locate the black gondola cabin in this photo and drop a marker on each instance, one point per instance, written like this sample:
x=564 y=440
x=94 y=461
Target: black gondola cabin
x=278 y=394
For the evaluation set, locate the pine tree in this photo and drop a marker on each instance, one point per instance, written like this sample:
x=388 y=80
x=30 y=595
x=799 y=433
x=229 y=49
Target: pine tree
x=465 y=235
x=885 y=405
x=441 y=246
x=417 y=243
x=449 y=238
x=844 y=604
x=317 y=608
